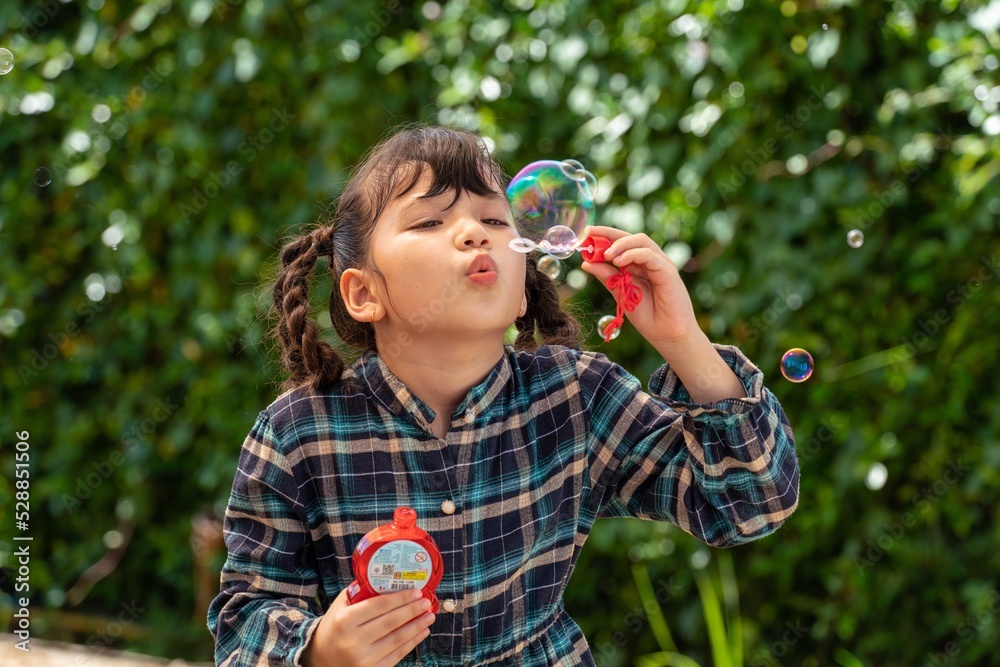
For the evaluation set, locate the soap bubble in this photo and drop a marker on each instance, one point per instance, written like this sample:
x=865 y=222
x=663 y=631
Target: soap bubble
x=42 y=177
x=550 y=266
x=6 y=61
x=548 y=193
x=603 y=323
x=560 y=242
x=797 y=365
x=855 y=238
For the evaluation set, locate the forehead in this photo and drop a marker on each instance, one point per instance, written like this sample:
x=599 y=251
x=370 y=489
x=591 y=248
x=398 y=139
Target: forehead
x=419 y=195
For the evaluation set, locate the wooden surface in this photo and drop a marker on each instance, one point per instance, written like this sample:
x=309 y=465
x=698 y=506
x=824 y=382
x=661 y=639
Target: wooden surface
x=58 y=654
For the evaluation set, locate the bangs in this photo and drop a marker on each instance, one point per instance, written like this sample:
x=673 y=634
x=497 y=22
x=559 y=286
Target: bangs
x=459 y=162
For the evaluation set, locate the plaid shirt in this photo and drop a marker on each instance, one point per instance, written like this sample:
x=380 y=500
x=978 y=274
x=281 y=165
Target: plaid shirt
x=546 y=444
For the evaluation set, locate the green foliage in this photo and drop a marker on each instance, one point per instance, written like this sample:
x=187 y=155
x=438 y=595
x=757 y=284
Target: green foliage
x=184 y=141
x=725 y=635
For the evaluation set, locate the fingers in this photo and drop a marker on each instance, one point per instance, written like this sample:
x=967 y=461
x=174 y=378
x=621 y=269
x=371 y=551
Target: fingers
x=380 y=605
x=600 y=270
x=384 y=625
x=403 y=639
x=607 y=232
x=641 y=258
x=642 y=255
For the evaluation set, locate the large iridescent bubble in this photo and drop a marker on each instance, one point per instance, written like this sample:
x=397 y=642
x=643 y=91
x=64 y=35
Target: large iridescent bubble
x=552 y=193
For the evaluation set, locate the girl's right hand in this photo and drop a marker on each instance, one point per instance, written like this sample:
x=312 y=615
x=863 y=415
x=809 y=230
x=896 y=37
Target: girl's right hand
x=377 y=632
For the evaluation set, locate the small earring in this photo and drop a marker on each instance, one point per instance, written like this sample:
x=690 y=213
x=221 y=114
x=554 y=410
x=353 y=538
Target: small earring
x=524 y=307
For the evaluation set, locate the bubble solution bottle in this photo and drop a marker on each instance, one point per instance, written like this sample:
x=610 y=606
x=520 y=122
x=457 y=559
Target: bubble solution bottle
x=394 y=557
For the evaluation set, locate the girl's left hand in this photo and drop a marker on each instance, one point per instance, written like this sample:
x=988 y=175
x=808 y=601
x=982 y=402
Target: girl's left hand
x=665 y=314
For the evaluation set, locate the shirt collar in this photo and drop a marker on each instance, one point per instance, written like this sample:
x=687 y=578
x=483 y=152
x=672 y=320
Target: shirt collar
x=388 y=389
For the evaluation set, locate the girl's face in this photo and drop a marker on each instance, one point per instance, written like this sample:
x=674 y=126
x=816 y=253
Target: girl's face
x=425 y=251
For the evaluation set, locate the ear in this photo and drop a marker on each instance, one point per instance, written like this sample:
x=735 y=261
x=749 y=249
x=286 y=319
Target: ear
x=357 y=295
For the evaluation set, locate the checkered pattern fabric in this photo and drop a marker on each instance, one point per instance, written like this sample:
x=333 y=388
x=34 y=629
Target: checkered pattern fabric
x=546 y=444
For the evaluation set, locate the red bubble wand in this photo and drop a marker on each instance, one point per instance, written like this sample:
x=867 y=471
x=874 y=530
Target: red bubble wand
x=629 y=296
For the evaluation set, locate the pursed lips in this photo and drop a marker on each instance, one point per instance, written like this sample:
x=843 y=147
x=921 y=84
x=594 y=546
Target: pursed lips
x=482 y=264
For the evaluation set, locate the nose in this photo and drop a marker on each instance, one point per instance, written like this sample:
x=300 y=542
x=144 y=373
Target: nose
x=473 y=233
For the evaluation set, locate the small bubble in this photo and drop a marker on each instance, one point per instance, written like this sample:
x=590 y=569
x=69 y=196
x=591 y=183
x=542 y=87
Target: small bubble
x=855 y=238
x=6 y=61
x=114 y=247
x=42 y=177
x=797 y=365
x=550 y=266
x=603 y=323
x=560 y=241
x=826 y=27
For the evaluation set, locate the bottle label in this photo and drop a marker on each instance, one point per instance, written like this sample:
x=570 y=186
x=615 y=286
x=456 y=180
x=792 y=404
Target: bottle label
x=398 y=565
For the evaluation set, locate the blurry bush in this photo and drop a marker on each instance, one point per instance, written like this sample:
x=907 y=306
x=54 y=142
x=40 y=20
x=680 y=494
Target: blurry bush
x=155 y=155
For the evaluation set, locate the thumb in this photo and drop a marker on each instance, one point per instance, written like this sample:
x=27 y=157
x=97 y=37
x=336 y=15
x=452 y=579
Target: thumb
x=600 y=270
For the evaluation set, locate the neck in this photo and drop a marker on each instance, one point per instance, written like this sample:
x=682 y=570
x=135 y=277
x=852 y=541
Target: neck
x=442 y=373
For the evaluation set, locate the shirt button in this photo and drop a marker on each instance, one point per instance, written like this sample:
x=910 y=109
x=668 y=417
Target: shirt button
x=448 y=507
x=470 y=416
x=449 y=605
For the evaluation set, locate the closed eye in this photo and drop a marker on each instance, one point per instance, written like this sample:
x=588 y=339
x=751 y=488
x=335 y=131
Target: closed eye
x=494 y=221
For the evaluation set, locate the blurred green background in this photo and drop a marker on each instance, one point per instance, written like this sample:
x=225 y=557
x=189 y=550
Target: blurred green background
x=156 y=154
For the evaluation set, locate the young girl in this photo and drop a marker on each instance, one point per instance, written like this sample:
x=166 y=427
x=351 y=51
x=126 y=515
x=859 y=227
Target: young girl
x=508 y=453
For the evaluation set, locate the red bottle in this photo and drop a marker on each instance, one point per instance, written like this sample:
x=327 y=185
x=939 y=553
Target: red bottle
x=396 y=556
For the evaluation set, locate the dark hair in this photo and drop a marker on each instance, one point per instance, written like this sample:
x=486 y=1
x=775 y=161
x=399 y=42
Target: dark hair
x=459 y=160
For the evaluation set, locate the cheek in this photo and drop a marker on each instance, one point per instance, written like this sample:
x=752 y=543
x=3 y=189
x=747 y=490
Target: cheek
x=517 y=282
x=522 y=270
x=398 y=264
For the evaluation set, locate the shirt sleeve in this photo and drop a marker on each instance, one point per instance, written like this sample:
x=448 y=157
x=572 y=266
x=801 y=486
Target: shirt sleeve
x=725 y=472
x=267 y=607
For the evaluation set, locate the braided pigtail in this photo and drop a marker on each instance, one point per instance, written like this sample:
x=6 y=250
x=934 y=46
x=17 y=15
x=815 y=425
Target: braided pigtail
x=308 y=358
x=556 y=326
